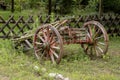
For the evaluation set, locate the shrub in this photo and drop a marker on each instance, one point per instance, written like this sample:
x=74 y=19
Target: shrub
x=111 y=5
x=92 y=5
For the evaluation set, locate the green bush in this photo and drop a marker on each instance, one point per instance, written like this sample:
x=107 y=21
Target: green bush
x=92 y=5
x=111 y=5
x=18 y=8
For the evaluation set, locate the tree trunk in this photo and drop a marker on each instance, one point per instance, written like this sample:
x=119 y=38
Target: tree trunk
x=100 y=8
x=12 y=6
x=49 y=7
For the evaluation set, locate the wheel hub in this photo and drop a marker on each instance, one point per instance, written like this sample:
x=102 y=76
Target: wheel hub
x=46 y=46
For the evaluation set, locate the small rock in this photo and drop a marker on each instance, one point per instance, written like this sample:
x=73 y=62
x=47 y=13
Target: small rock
x=59 y=77
x=52 y=74
x=36 y=68
x=66 y=78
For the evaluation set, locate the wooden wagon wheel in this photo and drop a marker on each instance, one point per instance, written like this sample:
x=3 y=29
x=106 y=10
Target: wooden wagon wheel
x=48 y=44
x=98 y=39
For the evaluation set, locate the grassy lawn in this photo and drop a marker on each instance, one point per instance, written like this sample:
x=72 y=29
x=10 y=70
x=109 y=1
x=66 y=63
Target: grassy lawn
x=16 y=65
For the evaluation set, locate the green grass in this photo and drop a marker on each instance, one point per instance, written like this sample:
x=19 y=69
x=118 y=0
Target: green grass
x=16 y=65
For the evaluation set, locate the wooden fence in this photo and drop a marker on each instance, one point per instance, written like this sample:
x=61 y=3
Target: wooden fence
x=15 y=26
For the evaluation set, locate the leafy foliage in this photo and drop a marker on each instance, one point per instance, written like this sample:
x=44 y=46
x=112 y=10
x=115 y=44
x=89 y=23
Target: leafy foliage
x=92 y=5
x=67 y=6
x=111 y=5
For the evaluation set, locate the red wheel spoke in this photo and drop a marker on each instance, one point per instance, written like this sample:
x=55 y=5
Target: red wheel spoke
x=99 y=49
x=53 y=43
x=90 y=31
x=41 y=38
x=99 y=37
x=48 y=33
x=44 y=35
x=87 y=47
x=101 y=43
x=36 y=54
x=97 y=54
x=43 y=54
x=97 y=32
x=52 y=58
x=38 y=50
x=51 y=38
x=54 y=47
x=38 y=43
x=53 y=52
x=89 y=35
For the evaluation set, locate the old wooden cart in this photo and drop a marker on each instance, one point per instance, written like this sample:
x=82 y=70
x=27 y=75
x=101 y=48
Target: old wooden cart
x=48 y=39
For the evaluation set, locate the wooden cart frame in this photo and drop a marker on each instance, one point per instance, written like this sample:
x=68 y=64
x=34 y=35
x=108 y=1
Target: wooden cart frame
x=48 y=39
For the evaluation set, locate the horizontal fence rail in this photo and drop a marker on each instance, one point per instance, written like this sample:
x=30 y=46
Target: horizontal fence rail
x=16 y=26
